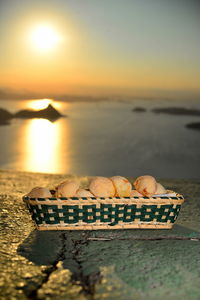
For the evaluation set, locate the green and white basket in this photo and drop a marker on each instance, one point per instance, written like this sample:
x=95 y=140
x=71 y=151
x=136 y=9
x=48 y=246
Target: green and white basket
x=104 y=213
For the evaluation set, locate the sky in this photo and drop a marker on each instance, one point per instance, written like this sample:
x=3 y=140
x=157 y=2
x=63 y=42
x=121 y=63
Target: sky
x=100 y=47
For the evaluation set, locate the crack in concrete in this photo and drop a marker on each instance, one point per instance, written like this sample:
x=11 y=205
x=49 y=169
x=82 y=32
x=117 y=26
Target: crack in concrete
x=87 y=282
x=60 y=257
x=99 y=239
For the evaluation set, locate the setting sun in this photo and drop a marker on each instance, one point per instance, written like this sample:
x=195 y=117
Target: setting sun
x=39 y=104
x=44 y=38
x=42 y=104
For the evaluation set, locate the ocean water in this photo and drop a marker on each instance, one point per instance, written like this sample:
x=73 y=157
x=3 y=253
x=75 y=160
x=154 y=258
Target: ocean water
x=103 y=138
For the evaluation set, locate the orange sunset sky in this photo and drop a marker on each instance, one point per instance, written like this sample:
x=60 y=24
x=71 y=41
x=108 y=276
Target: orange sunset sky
x=99 y=47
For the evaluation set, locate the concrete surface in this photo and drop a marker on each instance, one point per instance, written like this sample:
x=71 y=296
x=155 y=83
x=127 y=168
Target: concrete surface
x=118 y=264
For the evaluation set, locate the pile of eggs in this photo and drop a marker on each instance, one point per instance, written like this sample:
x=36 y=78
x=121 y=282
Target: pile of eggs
x=116 y=186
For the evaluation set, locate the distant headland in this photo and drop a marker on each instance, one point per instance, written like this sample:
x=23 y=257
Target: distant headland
x=49 y=113
x=195 y=126
x=177 y=111
x=5 y=116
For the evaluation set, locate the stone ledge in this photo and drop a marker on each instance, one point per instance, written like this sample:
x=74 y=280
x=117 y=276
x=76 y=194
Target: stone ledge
x=118 y=264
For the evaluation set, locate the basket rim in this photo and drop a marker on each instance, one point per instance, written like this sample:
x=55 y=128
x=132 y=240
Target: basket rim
x=74 y=200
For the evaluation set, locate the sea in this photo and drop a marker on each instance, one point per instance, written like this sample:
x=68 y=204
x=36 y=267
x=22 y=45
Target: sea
x=104 y=138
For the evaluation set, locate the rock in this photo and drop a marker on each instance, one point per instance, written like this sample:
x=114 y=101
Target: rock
x=139 y=109
x=49 y=113
x=5 y=116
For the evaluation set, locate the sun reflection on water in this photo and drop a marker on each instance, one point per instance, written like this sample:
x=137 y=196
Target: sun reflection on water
x=43 y=146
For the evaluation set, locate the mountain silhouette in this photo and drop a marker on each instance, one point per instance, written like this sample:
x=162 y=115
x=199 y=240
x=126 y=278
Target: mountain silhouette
x=5 y=116
x=49 y=113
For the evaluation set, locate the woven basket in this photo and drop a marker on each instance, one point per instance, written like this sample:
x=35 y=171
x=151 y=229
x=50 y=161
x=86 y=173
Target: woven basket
x=104 y=213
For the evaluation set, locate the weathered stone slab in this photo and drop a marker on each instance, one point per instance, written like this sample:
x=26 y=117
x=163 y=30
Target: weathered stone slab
x=21 y=277
x=153 y=269
x=114 y=264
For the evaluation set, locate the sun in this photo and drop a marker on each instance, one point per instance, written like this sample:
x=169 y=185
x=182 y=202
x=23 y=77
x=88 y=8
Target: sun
x=39 y=104
x=44 y=37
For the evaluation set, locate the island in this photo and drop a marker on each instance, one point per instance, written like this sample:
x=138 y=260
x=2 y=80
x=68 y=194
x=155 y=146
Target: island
x=195 y=126
x=139 y=109
x=5 y=116
x=49 y=113
x=177 y=111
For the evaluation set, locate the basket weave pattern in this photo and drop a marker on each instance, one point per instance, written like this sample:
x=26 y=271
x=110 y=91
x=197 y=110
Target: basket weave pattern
x=104 y=213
